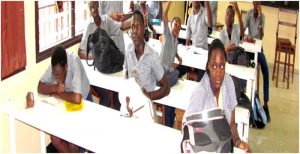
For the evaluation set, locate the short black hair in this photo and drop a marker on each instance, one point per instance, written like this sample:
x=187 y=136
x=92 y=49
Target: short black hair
x=139 y=14
x=215 y=44
x=176 y=18
x=59 y=56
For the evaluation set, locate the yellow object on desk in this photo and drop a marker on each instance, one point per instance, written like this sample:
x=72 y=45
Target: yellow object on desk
x=73 y=107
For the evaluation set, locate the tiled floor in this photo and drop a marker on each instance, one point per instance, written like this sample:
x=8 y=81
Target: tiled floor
x=282 y=133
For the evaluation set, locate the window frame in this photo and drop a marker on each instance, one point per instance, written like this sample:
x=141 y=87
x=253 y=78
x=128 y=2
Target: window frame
x=40 y=56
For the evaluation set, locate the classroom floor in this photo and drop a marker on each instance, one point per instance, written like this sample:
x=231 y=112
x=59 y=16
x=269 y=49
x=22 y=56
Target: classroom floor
x=282 y=133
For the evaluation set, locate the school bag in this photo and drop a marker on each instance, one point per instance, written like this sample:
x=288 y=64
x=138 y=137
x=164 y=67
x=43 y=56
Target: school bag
x=107 y=56
x=239 y=57
x=206 y=131
x=259 y=114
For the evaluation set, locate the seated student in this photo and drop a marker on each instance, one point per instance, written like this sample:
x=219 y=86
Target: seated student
x=112 y=28
x=232 y=34
x=216 y=89
x=197 y=30
x=142 y=61
x=255 y=21
x=65 y=78
x=167 y=55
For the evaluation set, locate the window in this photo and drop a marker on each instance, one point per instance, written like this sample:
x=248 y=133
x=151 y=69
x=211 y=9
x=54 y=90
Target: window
x=58 y=22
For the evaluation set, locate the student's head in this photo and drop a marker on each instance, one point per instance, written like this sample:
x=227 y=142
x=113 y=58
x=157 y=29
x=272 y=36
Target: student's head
x=229 y=17
x=196 y=4
x=215 y=65
x=59 y=63
x=93 y=7
x=137 y=28
x=175 y=26
x=256 y=4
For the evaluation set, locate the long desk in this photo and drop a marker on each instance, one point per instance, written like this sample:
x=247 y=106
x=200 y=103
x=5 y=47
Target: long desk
x=96 y=128
x=179 y=96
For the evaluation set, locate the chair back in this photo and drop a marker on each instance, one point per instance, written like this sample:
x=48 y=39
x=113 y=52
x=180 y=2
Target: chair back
x=289 y=19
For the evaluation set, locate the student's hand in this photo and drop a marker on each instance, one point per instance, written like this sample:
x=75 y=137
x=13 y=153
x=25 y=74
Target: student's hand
x=127 y=106
x=60 y=88
x=244 y=146
x=116 y=16
x=234 y=5
x=231 y=46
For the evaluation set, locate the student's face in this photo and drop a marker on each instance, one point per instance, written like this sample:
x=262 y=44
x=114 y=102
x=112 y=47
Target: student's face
x=59 y=73
x=216 y=67
x=229 y=18
x=176 y=25
x=196 y=4
x=93 y=6
x=137 y=30
x=255 y=6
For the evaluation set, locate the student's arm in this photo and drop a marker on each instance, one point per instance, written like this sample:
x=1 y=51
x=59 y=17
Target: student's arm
x=209 y=16
x=126 y=24
x=179 y=58
x=165 y=16
x=83 y=44
x=48 y=89
x=71 y=97
x=236 y=8
x=116 y=16
x=163 y=91
x=261 y=22
x=237 y=142
x=82 y=55
x=230 y=47
x=188 y=32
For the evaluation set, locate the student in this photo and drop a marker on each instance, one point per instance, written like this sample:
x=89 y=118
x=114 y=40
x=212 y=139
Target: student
x=112 y=28
x=216 y=89
x=149 y=11
x=143 y=60
x=167 y=56
x=232 y=34
x=65 y=78
x=197 y=30
x=255 y=22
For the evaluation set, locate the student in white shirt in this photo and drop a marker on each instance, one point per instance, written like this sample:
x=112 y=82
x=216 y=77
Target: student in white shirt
x=113 y=28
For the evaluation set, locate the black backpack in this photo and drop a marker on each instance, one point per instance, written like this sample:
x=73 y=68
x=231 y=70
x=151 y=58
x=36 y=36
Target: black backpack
x=107 y=56
x=239 y=57
x=257 y=116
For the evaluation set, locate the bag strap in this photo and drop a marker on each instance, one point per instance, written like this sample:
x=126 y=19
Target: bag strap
x=88 y=51
x=206 y=115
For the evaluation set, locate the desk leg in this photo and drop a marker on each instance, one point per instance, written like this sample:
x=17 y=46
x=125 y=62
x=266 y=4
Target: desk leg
x=179 y=115
x=12 y=128
x=43 y=142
